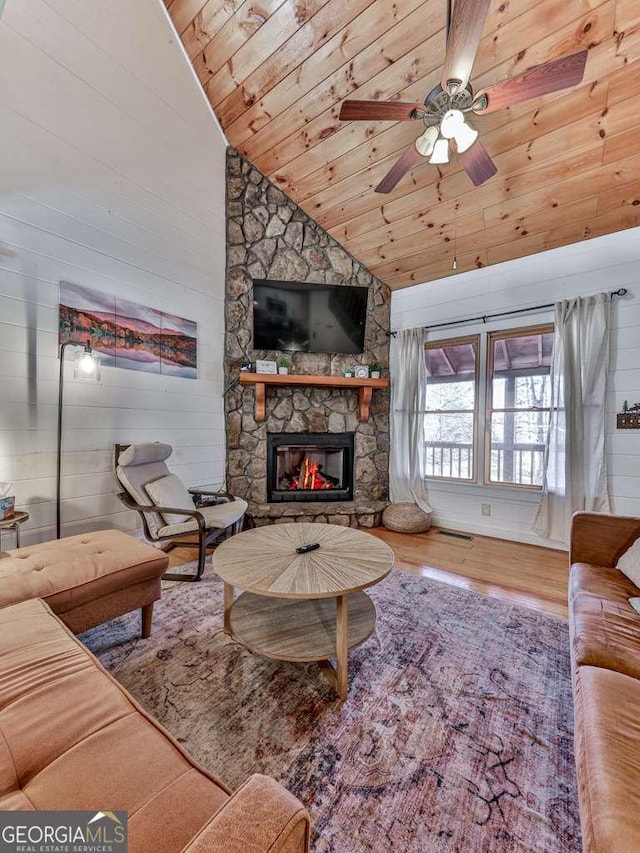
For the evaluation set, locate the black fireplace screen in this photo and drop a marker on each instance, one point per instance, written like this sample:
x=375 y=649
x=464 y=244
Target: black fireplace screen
x=310 y=466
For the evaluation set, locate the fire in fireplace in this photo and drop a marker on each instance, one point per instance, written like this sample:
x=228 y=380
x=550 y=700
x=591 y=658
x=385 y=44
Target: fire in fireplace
x=310 y=466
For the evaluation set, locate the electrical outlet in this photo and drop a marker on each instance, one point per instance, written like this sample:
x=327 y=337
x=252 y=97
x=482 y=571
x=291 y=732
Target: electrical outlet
x=485 y=509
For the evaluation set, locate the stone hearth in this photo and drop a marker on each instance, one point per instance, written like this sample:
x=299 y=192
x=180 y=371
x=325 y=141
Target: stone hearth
x=268 y=236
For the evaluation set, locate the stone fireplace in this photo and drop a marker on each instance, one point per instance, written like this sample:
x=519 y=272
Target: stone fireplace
x=269 y=237
x=310 y=466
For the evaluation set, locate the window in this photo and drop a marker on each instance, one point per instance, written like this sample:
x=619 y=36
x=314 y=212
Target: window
x=510 y=428
x=452 y=405
x=518 y=398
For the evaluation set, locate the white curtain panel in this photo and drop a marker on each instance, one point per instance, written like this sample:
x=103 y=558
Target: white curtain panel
x=575 y=473
x=408 y=402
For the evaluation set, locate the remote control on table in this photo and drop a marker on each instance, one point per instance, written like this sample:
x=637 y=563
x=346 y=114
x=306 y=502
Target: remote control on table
x=304 y=548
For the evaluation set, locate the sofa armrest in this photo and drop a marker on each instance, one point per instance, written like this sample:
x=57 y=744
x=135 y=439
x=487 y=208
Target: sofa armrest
x=260 y=817
x=600 y=539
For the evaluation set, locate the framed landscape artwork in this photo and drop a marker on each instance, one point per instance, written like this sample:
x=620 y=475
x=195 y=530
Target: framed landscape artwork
x=128 y=335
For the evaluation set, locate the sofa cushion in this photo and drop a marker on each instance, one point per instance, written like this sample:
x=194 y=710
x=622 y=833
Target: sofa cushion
x=604 y=628
x=73 y=571
x=607 y=734
x=629 y=563
x=71 y=735
x=170 y=491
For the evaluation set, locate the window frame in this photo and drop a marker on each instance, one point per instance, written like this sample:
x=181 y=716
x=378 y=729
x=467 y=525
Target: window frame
x=473 y=340
x=524 y=331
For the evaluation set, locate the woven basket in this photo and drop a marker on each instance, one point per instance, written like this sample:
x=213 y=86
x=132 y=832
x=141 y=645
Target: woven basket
x=406 y=518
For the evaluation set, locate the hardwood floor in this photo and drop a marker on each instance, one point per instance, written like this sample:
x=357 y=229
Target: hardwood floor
x=524 y=574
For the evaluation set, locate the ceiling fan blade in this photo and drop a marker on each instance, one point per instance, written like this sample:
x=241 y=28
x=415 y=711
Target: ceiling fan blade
x=378 y=110
x=398 y=170
x=561 y=73
x=465 y=31
x=477 y=163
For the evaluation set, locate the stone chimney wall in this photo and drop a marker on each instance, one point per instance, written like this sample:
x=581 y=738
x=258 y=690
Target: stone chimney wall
x=270 y=237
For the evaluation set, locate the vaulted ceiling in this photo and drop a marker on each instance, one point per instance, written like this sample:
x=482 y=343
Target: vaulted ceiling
x=276 y=73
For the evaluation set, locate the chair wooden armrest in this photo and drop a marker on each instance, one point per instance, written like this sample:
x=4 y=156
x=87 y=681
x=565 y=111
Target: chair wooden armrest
x=260 y=817
x=192 y=513
x=600 y=539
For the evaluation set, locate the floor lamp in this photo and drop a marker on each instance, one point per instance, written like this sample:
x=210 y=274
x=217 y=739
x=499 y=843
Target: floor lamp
x=87 y=368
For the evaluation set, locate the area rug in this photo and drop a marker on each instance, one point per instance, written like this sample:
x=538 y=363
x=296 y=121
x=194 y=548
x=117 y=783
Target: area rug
x=456 y=735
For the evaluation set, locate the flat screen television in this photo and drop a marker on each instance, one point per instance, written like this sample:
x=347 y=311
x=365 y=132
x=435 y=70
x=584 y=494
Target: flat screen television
x=302 y=317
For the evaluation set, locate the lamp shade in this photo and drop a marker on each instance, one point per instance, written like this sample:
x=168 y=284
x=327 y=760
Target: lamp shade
x=451 y=121
x=87 y=366
x=440 y=152
x=425 y=143
x=464 y=136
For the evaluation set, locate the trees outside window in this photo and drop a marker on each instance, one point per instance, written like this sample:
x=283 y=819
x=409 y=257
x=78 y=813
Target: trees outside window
x=518 y=400
x=452 y=408
x=515 y=388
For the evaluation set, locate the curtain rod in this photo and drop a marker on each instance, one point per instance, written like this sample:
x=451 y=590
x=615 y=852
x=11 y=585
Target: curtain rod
x=621 y=291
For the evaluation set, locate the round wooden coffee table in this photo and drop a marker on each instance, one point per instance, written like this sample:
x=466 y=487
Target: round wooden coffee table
x=302 y=607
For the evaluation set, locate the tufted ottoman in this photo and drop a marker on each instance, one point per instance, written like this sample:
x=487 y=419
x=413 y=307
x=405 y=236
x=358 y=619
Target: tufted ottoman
x=86 y=579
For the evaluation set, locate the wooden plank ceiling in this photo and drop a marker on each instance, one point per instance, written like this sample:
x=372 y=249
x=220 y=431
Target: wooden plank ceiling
x=277 y=71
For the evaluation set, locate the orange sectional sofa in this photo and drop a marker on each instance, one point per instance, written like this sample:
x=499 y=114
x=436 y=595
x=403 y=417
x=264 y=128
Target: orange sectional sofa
x=72 y=738
x=605 y=657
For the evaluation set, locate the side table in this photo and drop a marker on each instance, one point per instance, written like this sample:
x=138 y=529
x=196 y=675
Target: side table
x=13 y=523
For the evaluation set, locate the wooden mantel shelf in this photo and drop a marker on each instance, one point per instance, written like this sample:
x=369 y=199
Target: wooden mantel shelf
x=261 y=380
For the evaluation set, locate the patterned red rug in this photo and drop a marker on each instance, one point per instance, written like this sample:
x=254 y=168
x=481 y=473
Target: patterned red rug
x=456 y=736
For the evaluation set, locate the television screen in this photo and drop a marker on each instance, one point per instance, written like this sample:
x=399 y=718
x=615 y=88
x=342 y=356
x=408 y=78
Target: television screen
x=291 y=315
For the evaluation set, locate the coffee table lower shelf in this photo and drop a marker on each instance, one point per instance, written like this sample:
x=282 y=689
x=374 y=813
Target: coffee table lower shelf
x=302 y=630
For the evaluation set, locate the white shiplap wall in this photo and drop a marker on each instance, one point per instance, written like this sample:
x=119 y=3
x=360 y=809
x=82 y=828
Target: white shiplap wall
x=111 y=176
x=605 y=263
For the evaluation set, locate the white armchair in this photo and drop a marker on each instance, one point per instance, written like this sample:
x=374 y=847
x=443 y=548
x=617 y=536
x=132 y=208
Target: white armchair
x=168 y=509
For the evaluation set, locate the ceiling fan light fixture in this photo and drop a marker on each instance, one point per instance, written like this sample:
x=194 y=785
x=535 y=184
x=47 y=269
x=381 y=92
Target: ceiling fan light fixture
x=451 y=122
x=440 y=153
x=424 y=144
x=464 y=136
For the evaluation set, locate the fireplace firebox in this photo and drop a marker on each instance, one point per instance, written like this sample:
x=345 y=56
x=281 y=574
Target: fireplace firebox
x=310 y=466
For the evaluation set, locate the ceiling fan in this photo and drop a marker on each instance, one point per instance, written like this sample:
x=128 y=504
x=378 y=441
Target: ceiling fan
x=445 y=107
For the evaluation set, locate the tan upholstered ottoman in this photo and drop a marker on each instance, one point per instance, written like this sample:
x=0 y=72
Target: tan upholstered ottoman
x=86 y=579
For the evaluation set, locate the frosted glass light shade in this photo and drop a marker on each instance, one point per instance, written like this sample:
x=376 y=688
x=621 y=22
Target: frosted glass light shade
x=87 y=366
x=451 y=121
x=440 y=152
x=464 y=136
x=425 y=143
